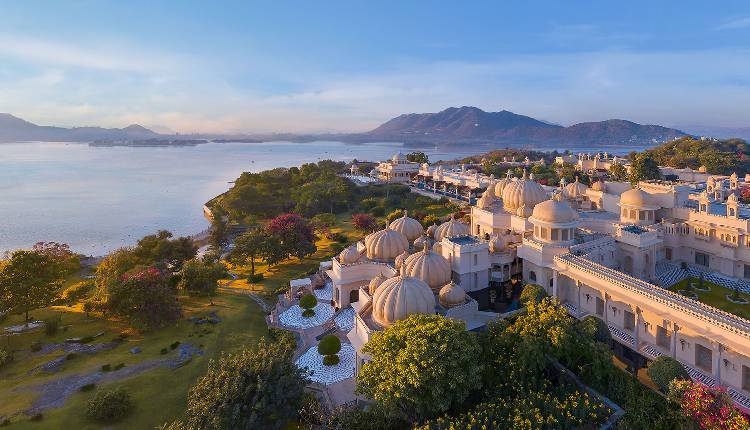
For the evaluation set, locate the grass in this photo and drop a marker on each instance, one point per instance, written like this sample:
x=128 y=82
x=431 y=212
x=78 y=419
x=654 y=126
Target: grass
x=716 y=297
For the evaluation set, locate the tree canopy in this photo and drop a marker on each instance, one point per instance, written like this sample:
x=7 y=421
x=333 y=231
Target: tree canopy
x=29 y=280
x=145 y=297
x=721 y=157
x=643 y=168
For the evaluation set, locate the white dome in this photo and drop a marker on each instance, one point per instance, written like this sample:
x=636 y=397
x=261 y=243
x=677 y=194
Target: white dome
x=524 y=211
x=501 y=184
x=487 y=199
x=429 y=267
x=398 y=157
x=599 y=186
x=399 y=261
x=349 y=255
x=398 y=297
x=422 y=241
x=452 y=295
x=451 y=228
x=375 y=283
x=575 y=190
x=554 y=211
x=409 y=227
x=431 y=230
x=522 y=192
x=385 y=244
x=637 y=198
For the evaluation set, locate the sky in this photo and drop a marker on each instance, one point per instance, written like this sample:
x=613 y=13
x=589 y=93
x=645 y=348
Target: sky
x=322 y=66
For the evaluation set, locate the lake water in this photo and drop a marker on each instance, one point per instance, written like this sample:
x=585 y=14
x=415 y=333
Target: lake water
x=97 y=199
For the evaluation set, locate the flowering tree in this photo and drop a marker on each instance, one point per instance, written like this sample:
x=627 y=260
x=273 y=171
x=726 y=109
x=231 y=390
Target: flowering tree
x=145 y=297
x=363 y=222
x=745 y=194
x=710 y=408
x=295 y=235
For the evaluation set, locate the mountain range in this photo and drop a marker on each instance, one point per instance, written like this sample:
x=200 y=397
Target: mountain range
x=449 y=127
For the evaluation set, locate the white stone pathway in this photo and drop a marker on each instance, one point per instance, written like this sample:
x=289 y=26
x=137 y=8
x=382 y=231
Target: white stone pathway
x=292 y=317
x=345 y=319
x=324 y=294
x=328 y=375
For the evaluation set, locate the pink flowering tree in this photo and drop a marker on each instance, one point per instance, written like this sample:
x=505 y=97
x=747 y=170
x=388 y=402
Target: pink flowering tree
x=709 y=408
x=295 y=235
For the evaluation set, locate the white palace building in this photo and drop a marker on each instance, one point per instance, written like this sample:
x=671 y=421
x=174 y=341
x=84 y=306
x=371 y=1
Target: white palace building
x=609 y=250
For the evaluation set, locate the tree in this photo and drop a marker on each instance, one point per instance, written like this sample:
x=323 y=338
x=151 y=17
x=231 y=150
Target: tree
x=255 y=388
x=664 y=370
x=595 y=329
x=364 y=222
x=398 y=213
x=618 y=173
x=644 y=168
x=161 y=250
x=218 y=232
x=329 y=346
x=429 y=220
x=200 y=278
x=109 y=406
x=323 y=222
x=145 y=297
x=532 y=292
x=308 y=303
x=417 y=157
x=295 y=235
x=68 y=261
x=251 y=245
x=421 y=366
x=111 y=269
x=29 y=280
x=709 y=408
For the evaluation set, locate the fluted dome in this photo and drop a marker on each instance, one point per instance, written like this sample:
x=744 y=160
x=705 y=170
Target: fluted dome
x=428 y=266
x=409 y=227
x=501 y=184
x=554 y=211
x=451 y=228
x=398 y=297
x=349 y=255
x=521 y=192
x=385 y=244
x=599 y=186
x=399 y=261
x=452 y=295
x=422 y=241
x=431 y=230
x=637 y=198
x=375 y=283
x=575 y=190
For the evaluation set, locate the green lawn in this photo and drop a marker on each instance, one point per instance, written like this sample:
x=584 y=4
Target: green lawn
x=716 y=297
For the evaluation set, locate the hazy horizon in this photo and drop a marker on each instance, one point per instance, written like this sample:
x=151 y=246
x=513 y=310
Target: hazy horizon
x=349 y=66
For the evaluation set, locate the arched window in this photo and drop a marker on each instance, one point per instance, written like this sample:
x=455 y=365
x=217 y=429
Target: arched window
x=532 y=276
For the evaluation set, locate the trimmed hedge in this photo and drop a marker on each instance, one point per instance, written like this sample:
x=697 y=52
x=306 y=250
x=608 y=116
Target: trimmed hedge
x=664 y=370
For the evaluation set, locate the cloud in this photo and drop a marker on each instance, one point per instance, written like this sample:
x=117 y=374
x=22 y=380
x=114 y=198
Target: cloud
x=735 y=24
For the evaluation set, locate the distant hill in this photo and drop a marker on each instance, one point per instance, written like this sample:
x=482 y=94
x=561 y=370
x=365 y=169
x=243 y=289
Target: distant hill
x=473 y=124
x=14 y=129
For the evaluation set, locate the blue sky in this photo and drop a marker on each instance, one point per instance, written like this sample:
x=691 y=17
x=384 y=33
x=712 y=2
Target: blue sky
x=349 y=65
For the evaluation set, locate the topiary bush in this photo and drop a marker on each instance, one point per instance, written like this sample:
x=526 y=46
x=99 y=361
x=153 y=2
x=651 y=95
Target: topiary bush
x=109 y=406
x=664 y=370
x=307 y=313
x=532 y=292
x=308 y=302
x=329 y=346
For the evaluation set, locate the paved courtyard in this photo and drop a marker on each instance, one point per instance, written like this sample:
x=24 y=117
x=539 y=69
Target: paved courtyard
x=328 y=375
x=293 y=318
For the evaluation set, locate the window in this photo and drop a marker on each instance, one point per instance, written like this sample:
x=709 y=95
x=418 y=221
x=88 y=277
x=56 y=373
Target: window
x=476 y=280
x=565 y=234
x=745 y=378
x=625 y=213
x=532 y=276
x=747 y=270
x=701 y=259
x=555 y=234
x=642 y=215
x=663 y=337
x=629 y=322
x=476 y=259
x=599 y=306
x=668 y=253
x=703 y=357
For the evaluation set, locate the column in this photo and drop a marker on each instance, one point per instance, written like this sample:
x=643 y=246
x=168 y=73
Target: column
x=716 y=365
x=638 y=322
x=673 y=351
x=554 y=284
x=606 y=308
x=578 y=288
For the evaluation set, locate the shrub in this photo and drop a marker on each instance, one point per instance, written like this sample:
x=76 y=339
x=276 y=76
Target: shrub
x=664 y=370
x=254 y=278
x=532 y=292
x=37 y=417
x=308 y=302
x=51 y=326
x=106 y=367
x=398 y=213
x=87 y=387
x=596 y=329
x=119 y=366
x=77 y=291
x=331 y=360
x=71 y=356
x=164 y=350
x=109 y=406
x=329 y=345
x=36 y=346
x=307 y=313
x=174 y=344
x=5 y=357
x=377 y=211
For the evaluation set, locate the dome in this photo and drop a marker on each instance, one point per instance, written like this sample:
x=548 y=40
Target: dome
x=451 y=228
x=349 y=255
x=422 y=241
x=575 y=190
x=399 y=261
x=409 y=227
x=637 y=198
x=498 y=243
x=501 y=184
x=429 y=267
x=385 y=244
x=554 y=211
x=599 y=186
x=452 y=295
x=398 y=297
x=524 y=211
x=522 y=192
x=398 y=157
x=431 y=230
x=375 y=283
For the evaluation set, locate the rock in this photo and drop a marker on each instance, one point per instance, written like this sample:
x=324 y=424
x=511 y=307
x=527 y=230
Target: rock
x=136 y=350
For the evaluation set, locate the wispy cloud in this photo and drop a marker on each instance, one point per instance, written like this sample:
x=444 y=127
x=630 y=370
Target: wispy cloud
x=735 y=24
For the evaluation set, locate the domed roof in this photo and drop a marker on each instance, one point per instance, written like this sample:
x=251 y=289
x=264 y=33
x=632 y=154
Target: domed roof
x=637 y=198
x=428 y=266
x=501 y=184
x=451 y=228
x=524 y=211
x=452 y=295
x=399 y=261
x=599 y=186
x=422 y=241
x=431 y=230
x=487 y=199
x=375 y=283
x=522 y=192
x=385 y=244
x=349 y=255
x=398 y=297
x=554 y=211
x=575 y=190
x=409 y=227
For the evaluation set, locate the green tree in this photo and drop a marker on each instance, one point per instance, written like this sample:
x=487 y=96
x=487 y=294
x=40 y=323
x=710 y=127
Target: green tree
x=218 y=231
x=664 y=370
x=532 y=292
x=29 y=280
x=644 y=168
x=161 y=250
x=200 y=278
x=255 y=388
x=618 y=173
x=111 y=269
x=308 y=303
x=145 y=297
x=398 y=213
x=421 y=367
x=251 y=245
x=329 y=346
x=417 y=157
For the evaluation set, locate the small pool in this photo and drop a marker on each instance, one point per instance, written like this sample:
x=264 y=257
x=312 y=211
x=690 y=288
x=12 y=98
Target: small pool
x=463 y=240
